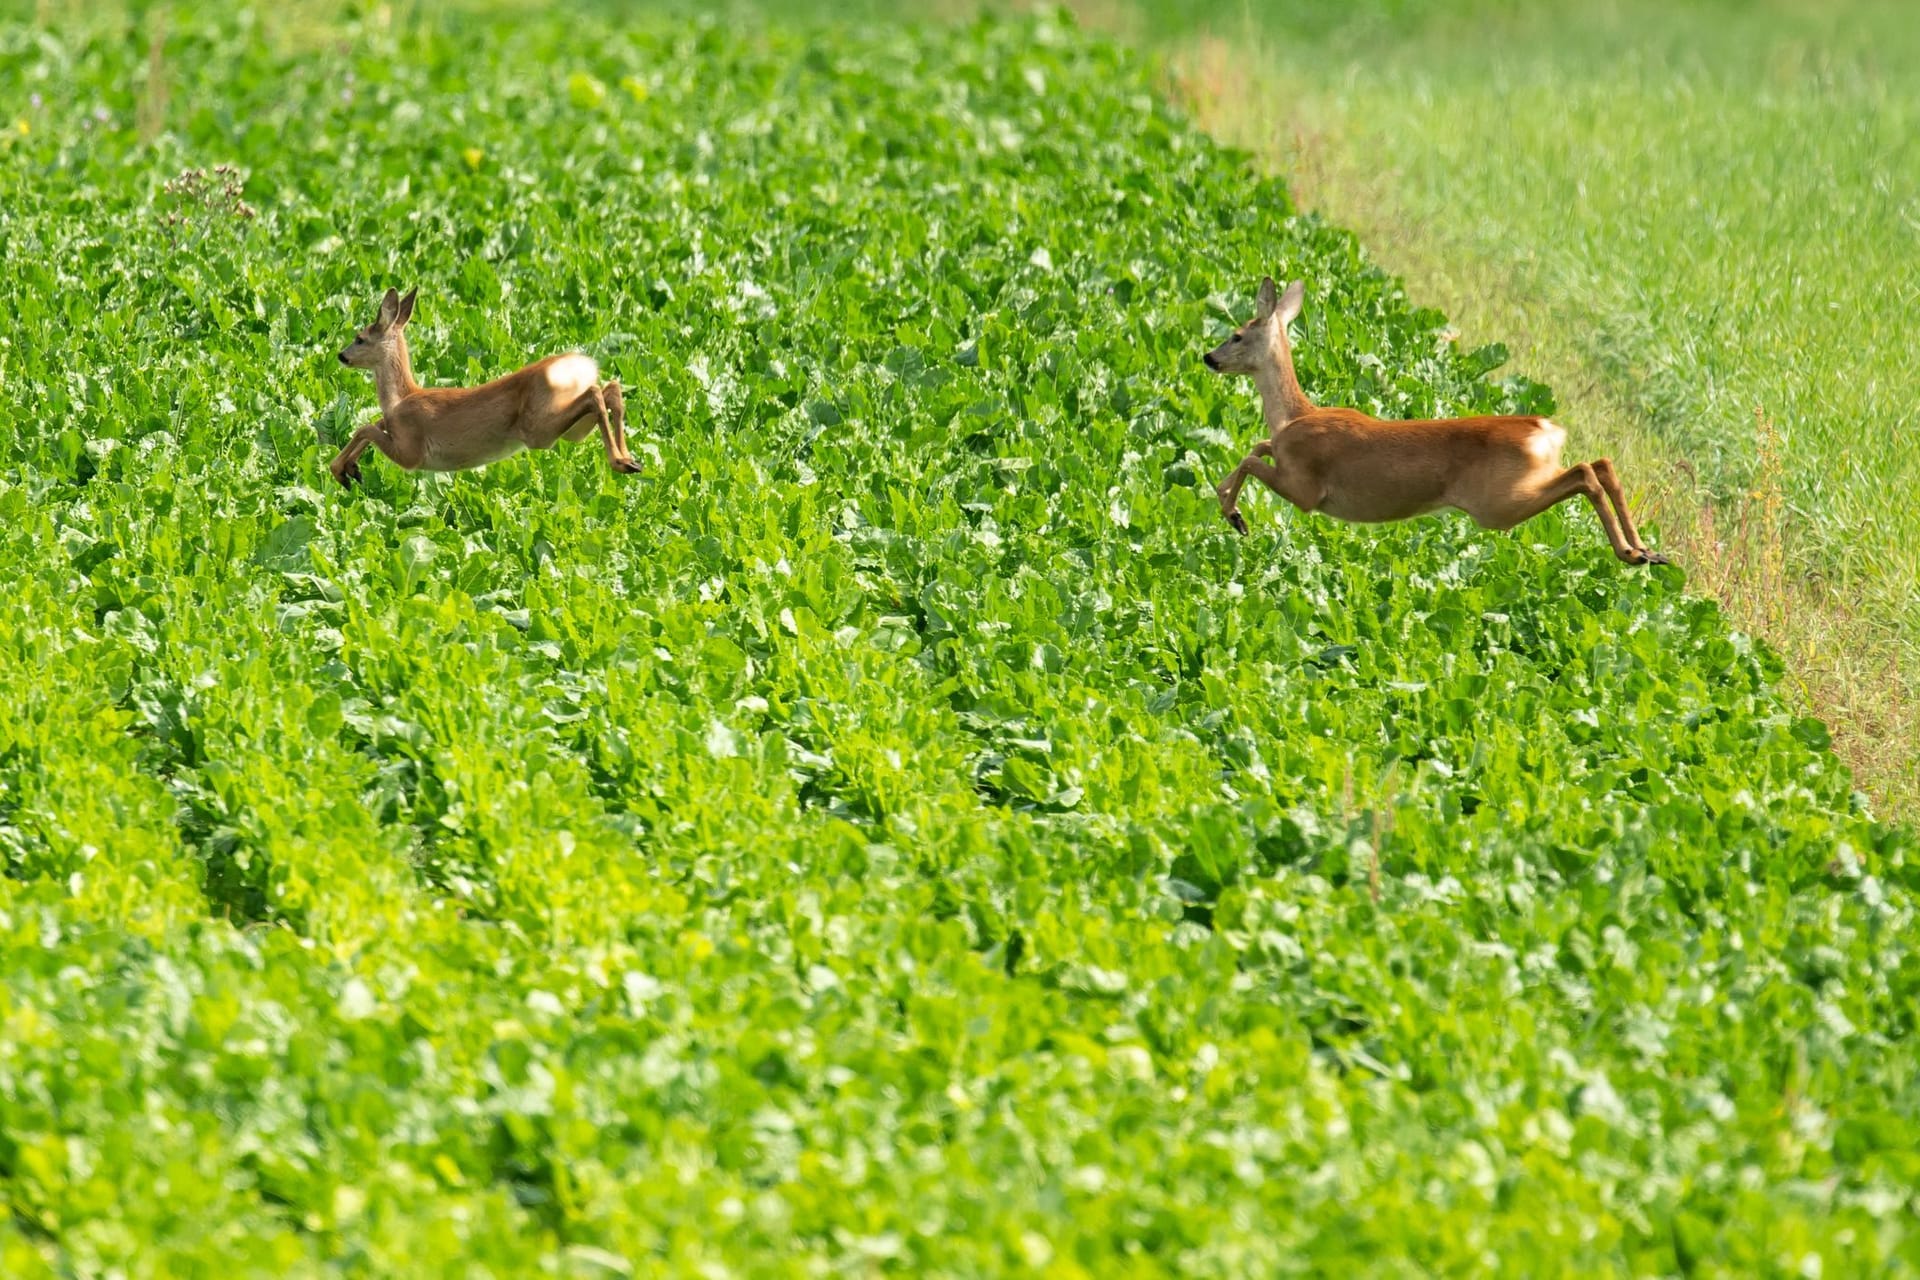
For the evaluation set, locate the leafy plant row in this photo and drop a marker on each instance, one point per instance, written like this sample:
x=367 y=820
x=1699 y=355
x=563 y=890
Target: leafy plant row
x=905 y=830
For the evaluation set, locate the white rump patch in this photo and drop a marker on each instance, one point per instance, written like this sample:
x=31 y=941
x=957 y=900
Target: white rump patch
x=1548 y=441
x=570 y=375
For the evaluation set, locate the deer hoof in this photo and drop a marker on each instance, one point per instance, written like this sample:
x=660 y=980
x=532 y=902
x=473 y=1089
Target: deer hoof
x=1654 y=557
x=1237 y=520
x=626 y=466
x=347 y=476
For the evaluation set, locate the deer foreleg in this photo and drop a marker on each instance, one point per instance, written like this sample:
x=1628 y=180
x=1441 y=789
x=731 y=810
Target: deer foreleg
x=1228 y=490
x=1294 y=489
x=346 y=464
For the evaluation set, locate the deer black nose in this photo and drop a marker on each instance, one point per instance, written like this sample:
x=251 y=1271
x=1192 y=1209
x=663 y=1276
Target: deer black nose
x=343 y=357
x=1210 y=361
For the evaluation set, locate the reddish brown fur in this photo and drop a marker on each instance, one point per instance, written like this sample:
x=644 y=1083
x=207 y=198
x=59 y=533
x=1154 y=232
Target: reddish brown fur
x=1500 y=471
x=454 y=428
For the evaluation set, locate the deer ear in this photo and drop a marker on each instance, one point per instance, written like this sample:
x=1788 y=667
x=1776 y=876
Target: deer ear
x=1289 y=305
x=389 y=308
x=406 y=309
x=1267 y=299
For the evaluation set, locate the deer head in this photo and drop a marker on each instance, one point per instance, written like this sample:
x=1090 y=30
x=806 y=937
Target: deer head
x=1261 y=343
x=375 y=345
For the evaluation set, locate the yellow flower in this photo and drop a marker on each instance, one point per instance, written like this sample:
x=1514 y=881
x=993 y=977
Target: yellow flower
x=585 y=91
x=473 y=156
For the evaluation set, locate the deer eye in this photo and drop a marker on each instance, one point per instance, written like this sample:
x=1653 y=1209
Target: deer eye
x=1237 y=337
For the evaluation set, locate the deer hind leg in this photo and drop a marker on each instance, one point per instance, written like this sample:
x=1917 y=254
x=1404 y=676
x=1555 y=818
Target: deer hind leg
x=574 y=420
x=1582 y=478
x=1603 y=471
x=604 y=407
x=617 y=413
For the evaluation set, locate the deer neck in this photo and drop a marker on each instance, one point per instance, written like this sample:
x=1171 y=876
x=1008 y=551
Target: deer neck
x=393 y=376
x=1281 y=399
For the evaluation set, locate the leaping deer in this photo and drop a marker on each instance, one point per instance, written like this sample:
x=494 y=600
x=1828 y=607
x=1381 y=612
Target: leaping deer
x=1341 y=462
x=454 y=428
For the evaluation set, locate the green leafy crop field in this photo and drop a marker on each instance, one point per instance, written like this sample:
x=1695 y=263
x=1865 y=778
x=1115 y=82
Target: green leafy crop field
x=904 y=831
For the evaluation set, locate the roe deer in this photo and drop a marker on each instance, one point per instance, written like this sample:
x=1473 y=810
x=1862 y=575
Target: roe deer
x=454 y=428
x=1499 y=470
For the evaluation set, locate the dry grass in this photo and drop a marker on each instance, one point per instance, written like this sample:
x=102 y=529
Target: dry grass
x=1843 y=663
x=151 y=116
